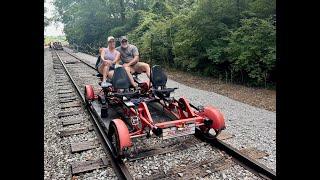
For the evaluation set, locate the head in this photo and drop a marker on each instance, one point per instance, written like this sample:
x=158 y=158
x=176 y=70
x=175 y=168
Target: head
x=111 y=42
x=124 y=41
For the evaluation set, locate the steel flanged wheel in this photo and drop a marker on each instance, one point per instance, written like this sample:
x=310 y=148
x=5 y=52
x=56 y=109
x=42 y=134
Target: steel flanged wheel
x=210 y=133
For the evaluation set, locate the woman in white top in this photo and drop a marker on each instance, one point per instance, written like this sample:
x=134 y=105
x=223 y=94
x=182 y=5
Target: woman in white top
x=108 y=58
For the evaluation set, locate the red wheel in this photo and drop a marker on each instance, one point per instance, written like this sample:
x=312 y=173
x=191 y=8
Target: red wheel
x=88 y=93
x=217 y=119
x=118 y=135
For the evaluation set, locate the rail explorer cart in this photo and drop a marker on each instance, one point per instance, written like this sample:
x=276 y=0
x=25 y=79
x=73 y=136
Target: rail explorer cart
x=57 y=46
x=148 y=110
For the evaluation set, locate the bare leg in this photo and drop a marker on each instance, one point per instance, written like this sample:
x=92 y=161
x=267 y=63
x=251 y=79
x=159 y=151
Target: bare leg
x=104 y=70
x=130 y=77
x=105 y=73
x=110 y=74
x=141 y=67
x=146 y=68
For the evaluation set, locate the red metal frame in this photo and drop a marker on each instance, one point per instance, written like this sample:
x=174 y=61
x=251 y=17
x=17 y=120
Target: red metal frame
x=186 y=116
x=181 y=109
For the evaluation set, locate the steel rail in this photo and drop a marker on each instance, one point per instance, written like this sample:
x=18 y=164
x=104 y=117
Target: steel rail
x=81 y=60
x=119 y=166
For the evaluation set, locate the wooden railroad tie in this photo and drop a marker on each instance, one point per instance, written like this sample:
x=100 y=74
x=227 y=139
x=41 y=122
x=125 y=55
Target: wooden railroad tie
x=86 y=166
x=65 y=133
x=83 y=146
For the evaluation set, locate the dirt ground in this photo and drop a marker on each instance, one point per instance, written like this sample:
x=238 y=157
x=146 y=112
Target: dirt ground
x=258 y=97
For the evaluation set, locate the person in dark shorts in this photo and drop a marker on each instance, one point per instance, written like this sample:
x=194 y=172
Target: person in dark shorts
x=129 y=56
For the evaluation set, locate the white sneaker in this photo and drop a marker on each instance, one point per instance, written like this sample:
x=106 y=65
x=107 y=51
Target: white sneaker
x=104 y=84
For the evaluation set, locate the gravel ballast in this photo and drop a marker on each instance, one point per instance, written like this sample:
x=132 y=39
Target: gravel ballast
x=55 y=148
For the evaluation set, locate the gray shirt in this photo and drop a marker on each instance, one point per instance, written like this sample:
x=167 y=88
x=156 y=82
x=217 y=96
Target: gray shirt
x=126 y=55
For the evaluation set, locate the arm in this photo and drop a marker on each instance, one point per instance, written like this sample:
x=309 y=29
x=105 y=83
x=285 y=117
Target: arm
x=117 y=59
x=102 y=53
x=135 y=59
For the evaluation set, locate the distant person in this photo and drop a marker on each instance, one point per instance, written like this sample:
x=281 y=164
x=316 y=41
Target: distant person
x=106 y=61
x=129 y=56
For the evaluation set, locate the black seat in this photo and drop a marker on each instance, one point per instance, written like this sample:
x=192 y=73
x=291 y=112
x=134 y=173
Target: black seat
x=159 y=80
x=120 y=81
x=157 y=77
x=98 y=61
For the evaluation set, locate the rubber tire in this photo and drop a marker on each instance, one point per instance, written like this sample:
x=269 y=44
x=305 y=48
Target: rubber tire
x=86 y=95
x=115 y=145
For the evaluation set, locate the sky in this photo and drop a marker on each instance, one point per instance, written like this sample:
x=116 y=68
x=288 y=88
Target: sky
x=54 y=29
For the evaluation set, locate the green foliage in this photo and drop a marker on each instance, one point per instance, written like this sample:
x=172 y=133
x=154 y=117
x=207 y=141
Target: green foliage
x=263 y=8
x=144 y=21
x=252 y=46
x=233 y=39
x=162 y=9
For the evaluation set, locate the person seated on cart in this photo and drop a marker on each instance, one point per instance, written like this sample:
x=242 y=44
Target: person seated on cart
x=108 y=58
x=129 y=56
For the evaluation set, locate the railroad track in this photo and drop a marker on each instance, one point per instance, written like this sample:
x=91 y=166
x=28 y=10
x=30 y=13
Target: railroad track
x=217 y=155
x=70 y=99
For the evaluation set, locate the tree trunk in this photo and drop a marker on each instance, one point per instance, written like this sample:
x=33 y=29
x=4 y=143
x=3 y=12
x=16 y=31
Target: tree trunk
x=241 y=76
x=238 y=9
x=265 y=80
x=226 y=77
x=122 y=10
x=238 y=6
x=231 y=76
x=151 y=53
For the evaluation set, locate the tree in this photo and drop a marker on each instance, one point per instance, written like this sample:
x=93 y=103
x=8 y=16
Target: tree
x=252 y=46
x=233 y=39
x=46 y=19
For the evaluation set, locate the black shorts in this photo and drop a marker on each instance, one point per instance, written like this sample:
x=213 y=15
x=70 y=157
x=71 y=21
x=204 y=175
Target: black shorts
x=110 y=69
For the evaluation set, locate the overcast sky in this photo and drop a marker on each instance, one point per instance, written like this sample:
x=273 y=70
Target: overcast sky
x=54 y=29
